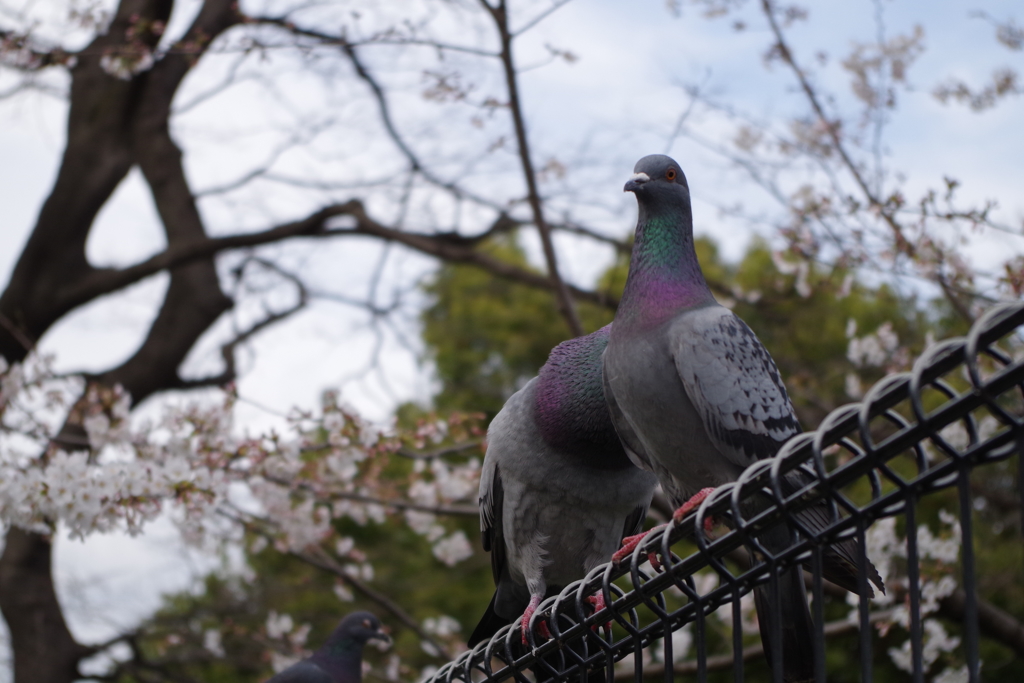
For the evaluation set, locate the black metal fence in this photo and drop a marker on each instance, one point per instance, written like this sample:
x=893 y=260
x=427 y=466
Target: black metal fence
x=886 y=468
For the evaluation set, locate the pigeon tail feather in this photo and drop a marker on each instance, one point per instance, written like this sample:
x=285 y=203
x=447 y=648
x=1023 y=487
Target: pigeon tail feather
x=794 y=617
x=489 y=624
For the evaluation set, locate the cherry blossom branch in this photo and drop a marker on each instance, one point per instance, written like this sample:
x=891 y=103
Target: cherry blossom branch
x=19 y=51
x=832 y=130
x=439 y=452
x=316 y=556
x=326 y=495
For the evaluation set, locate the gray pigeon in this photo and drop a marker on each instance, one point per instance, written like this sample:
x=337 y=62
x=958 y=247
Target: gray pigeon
x=340 y=659
x=696 y=398
x=557 y=491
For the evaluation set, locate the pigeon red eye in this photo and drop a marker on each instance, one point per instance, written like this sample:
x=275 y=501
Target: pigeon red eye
x=366 y=624
x=670 y=174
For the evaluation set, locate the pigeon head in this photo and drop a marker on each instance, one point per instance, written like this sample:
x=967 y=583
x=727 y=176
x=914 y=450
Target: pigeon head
x=657 y=175
x=358 y=628
x=664 y=275
x=341 y=656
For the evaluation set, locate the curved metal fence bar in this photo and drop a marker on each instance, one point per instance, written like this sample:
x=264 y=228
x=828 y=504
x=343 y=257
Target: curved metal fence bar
x=867 y=461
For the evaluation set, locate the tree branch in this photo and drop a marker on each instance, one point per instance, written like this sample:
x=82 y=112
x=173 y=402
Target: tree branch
x=227 y=350
x=333 y=494
x=562 y=295
x=881 y=207
x=383 y=106
x=439 y=452
x=445 y=246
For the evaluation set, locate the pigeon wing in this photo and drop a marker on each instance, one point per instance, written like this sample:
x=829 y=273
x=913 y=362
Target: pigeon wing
x=492 y=533
x=733 y=383
x=624 y=430
x=635 y=521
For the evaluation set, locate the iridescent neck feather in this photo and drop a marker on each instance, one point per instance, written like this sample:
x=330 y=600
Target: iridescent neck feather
x=664 y=274
x=570 y=410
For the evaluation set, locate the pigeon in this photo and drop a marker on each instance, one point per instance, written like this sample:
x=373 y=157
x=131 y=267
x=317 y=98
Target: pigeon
x=557 y=491
x=696 y=398
x=340 y=659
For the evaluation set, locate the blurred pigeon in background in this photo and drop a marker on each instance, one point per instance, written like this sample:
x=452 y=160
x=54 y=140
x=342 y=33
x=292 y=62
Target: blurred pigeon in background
x=340 y=659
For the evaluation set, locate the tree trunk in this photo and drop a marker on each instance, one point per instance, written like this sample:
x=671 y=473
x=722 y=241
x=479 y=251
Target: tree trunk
x=112 y=125
x=44 y=649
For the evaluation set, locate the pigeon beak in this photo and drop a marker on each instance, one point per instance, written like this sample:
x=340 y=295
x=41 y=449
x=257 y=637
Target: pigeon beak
x=636 y=182
x=382 y=635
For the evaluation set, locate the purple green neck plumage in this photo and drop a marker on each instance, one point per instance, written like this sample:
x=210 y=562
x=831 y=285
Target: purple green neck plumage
x=570 y=409
x=664 y=274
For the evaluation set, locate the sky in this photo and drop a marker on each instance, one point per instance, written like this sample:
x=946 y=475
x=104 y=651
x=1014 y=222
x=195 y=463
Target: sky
x=619 y=99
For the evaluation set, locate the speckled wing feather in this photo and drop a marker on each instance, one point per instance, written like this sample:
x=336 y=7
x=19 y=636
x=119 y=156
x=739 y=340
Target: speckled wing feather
x=733 y=383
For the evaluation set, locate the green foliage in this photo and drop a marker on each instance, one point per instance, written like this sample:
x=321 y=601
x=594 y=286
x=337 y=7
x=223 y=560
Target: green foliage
x=487 y=336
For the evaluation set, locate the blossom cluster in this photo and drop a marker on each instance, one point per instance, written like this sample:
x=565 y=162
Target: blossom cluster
x=938 y=555
x=435 y=483
x=878 y=349
x=71 y=456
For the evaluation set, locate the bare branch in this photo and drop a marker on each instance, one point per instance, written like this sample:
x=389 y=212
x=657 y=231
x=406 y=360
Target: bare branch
x=383 y=107
x=108 y=280
x=445 y=246
x=621 y=246
x=435 y=44
x=562 y=294
x=555 y=6
x=227 y=350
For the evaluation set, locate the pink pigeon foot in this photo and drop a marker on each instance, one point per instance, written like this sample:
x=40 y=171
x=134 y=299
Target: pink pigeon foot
x=542 y=628
x=691 y=504
x=629 y=543
x=597 y=600
x=655 y=562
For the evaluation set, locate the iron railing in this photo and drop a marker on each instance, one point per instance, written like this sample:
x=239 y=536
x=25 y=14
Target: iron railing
x=912 y=443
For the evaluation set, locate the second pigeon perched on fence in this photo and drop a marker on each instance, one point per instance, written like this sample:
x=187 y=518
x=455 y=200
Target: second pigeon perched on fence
x=557 y=491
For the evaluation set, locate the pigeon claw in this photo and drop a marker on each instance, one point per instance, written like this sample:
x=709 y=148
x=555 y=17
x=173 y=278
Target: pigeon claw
x=655 y=562
x=597 y=601
x=542 y=627
x=692 y=504
x=629 y=544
